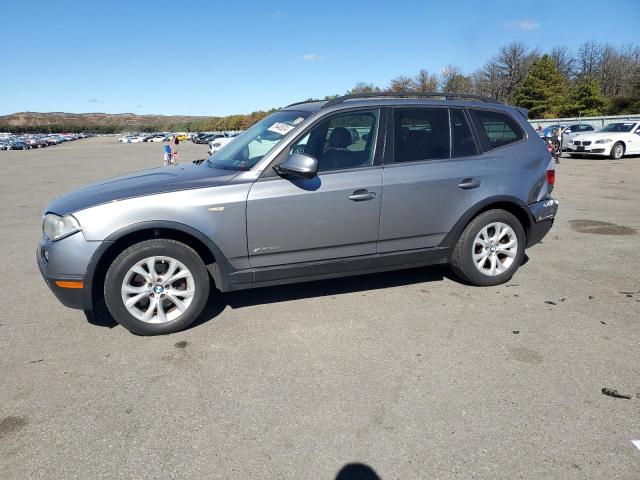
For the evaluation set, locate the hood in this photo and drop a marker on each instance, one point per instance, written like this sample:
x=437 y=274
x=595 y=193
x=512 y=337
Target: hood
x=146 y=182
x=599 y=135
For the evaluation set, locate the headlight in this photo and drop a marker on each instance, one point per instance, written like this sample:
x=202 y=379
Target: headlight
x=604 y=140
x=56 y=227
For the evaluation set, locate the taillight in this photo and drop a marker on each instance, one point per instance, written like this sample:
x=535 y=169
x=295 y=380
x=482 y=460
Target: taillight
x=551 y=177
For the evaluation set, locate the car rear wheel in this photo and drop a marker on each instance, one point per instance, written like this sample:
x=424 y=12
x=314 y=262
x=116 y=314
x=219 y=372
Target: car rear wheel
x=156 y=287
x=490 y=249
x=617 y=151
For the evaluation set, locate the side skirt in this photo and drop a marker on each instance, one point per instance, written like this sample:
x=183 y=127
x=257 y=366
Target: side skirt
x=341 y=267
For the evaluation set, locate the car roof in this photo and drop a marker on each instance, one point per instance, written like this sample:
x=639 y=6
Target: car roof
x=316 y=106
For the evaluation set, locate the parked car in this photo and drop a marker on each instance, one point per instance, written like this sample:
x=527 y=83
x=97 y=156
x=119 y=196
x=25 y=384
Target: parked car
x=199 y=137
x=466 y=182
x=218 y=143
x=614 y=140
x=571 y=131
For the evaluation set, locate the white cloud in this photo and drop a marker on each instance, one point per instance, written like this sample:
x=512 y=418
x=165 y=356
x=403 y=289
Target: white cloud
x=312 y=57
x=525 y=24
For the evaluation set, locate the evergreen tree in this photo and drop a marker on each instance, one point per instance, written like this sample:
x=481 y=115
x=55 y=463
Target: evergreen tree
x=585 y=98
x=543 y=91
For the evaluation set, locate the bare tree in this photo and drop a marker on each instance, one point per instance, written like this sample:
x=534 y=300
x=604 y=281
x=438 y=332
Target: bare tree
x=425 y=82
x=363 y=87
x=447 y=73
x=564 y=60
x=487 y=80
x=589 y=58
x=401 y=83
x=514 y=62
x=619 y=69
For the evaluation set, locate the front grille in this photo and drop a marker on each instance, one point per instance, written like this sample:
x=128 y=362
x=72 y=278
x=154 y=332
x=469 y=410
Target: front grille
x=586 y=143
x=577 y=142
x=597 y=150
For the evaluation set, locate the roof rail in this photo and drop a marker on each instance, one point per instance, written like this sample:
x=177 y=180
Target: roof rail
x=444 y=95
x=311 y=100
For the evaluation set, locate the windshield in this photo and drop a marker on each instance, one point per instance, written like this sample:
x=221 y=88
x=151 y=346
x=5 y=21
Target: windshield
x=249 y=147
x=618 y=127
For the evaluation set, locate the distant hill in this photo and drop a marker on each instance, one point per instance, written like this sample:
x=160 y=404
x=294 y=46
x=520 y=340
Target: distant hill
x=34 y=122
x=36 y=119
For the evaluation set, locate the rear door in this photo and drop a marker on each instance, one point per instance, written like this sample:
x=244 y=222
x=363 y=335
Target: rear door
x=432 y=174
x=333 y=215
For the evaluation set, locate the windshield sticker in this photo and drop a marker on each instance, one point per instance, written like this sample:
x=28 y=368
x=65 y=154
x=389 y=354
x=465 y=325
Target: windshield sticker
x=297 y=121
x=281 y=128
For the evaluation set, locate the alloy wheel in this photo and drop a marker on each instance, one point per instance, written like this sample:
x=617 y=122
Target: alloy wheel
x=494 y=249
x=157 y=289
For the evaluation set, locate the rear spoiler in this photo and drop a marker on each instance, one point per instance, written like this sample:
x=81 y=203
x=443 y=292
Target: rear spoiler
x=523 y=111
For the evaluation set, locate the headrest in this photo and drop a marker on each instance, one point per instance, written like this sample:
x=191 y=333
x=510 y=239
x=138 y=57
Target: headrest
x=340 y=138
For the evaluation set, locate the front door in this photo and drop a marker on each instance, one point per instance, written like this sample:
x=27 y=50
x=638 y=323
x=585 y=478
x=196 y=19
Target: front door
x=331 y=216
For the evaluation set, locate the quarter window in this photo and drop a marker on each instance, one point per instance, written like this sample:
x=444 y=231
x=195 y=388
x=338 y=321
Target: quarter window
x=496 y=129
x=421 y=134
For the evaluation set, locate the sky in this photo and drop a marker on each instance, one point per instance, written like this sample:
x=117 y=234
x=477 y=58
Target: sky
x=219 y=58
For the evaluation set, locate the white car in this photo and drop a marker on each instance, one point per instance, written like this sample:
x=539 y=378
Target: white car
x=614 y=140
x=218 y=143
x=572 y=131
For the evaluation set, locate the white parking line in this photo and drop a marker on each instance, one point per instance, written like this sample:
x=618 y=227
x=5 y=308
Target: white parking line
x=636 y=443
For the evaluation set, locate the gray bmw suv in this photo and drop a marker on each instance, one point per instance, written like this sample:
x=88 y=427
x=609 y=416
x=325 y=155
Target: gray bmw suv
x=358 y=184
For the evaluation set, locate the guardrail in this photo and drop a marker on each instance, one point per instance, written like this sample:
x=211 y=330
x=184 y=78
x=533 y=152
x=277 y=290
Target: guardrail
x=597 y=122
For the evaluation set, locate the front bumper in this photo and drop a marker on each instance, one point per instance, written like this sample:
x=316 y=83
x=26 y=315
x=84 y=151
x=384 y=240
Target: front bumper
x=67 y=260
x=591 y=149
x=543 y=214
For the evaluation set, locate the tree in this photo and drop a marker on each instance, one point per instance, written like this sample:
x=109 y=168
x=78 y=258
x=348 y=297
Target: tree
x=514 y=62
x=564 y=60
x=585 y=98
x=401 y=83
x=543 y=91
x=452 y=80
x=486 y=81
x=425 y=82
x=363 y=87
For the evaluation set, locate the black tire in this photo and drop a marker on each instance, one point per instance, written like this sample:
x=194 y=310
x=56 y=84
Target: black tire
x=617 y=147
x=462 y=258
x=149 y=248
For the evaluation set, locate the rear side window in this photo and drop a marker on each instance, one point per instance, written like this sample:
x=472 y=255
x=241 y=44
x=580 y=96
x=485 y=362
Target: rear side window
x=495 y=129
x=421 y=134
x=463 y=143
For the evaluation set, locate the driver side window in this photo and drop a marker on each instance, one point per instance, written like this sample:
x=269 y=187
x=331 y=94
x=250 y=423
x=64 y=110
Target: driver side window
x=342 y=141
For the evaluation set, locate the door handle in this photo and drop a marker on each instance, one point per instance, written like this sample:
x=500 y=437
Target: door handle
x=362 y=194
x=469 y=183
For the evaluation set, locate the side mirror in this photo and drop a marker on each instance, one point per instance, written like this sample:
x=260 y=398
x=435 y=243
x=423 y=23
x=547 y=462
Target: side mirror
x=298 y=165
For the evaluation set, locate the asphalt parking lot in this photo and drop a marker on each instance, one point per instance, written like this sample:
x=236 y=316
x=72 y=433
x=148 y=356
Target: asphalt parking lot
x=411 y=373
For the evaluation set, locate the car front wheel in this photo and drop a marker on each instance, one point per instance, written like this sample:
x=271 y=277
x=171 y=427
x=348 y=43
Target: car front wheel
x=490 y=249
x=617 y=151
x=156 y=287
